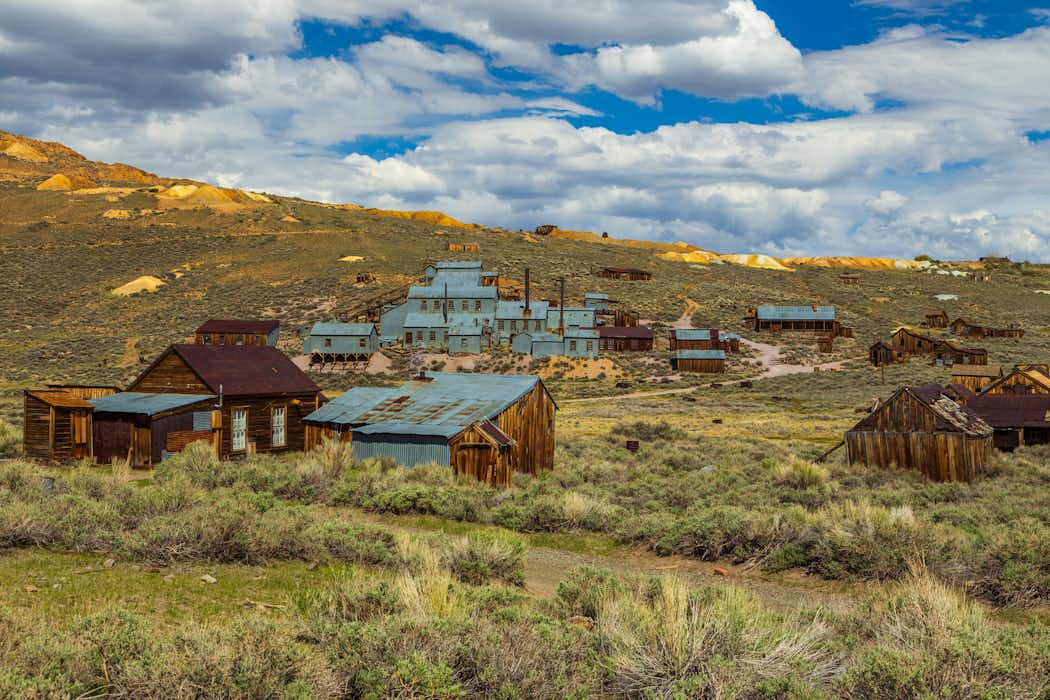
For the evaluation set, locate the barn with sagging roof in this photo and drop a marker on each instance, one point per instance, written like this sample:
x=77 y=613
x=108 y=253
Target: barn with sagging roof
x=485 y=426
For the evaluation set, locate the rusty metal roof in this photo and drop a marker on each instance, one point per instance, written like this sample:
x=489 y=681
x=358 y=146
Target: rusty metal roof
x=950 y=416
x=236 y=326
x=643 y=332
x=59 y=399
x=245 y=370
x=1013 y=410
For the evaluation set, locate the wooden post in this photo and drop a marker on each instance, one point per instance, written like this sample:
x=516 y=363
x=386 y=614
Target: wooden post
x=51 y=435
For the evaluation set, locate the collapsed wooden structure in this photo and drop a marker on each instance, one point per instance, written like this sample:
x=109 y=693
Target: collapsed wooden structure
x=924 y=429
x=850 y=279
x=484 y=426
x=906 y=342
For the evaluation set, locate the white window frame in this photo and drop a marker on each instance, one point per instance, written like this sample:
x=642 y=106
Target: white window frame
x=234 y=412
x=279 y=439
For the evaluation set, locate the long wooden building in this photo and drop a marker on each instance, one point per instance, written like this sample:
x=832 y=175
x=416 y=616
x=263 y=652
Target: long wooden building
x=237 y=332
x=625 y=273
x=818 y=320
x=699 y=361
x=262 y=397
x=629 y=338
x=924 y=429
x=485 y=426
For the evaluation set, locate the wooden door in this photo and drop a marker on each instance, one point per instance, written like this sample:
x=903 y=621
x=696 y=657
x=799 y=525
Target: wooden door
x=141 y=447
x=408 y=338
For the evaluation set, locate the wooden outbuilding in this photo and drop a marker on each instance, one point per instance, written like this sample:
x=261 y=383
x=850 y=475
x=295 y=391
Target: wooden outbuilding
x=1018 y=420
x=235 y=332
x=937 y=319
x=924 y=429
x=963 y=327
x=825 y=344
x=975 y=377
x=144 y=428
x=56 y=426
x=620 y=338
x=948 y=353
x=484 y=426
x=262 y=396
x=699 y=361
x=881 y=354
x=366 y=278
x=1023 y=379
x=464 y=247
x=850 y=279
x=625 y=273
x=906 y=342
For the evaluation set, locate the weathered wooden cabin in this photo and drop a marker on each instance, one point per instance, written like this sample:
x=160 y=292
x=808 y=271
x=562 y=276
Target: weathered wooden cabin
x=85 y=391
x=341 y=342
x=699 y=361
x=1023 y=379
x=145 y=427
x=620 y=338
x=1008 y=332
x=56 y=426
x=485 y=426
x=262 y=395
x=975 y=377
x=1018 y=419
x=881 y=354
x=937 y=319
x=234 y=332
x=948 y=353
x=464 y=247
x=963 y=327
x=815 y=319
x=825 y=344
x=625 y=273
x=702 y=339
x=850 y=279
x=922 y=428
x=907 y=342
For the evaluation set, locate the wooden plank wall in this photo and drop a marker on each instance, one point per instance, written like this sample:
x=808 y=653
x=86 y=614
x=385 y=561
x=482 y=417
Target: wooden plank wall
x=940 y=456
x=260 y=427
x=36 y=429
x=701 y=366
x=55 y=434
x=472 y=455
x=170 y=375
x=530 y=421
x=1018 y=379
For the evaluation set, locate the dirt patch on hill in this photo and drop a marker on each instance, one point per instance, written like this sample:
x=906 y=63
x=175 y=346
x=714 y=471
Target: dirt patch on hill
x=63 y=182
x=146 y=283
x=579 y=368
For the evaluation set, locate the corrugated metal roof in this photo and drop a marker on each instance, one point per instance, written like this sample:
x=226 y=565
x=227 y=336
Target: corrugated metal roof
x=490 y=274
x=514 y=309
x=245 y=370
x=145 y=404
x=1012 y=410
x=796 y=313
x=342 y=329
x=458 y=265
x=60 y=399
x=495 y=434
x=462 y=329
x=217 y=325
x=444 y=430
x=692 y=334
x=643 y=332
x=455 y=399
x=437 y=291
x=700 y=354
x=420 y=320
x=596 y=295
x=729 y=336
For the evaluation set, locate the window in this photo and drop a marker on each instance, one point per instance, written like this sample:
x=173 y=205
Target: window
x=436 y=305
x=502 y=324
x=222 y=340
x=463 y=305
x=423 y=305
x=433 y=336
x=278 y=434
x=206 y=339
x=477 y=304
x=463 y=343
x=239 y=429
x=361 y=343
x=590 y=346
x=572 y=346
x=328 y=342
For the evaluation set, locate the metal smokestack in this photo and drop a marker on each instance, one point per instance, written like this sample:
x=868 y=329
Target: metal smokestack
x=527 y=313
x=561 y=308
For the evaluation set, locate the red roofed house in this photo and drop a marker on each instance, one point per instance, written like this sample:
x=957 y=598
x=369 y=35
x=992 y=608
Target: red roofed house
x=231 y=332
x=1018 y=419
x=262 y=395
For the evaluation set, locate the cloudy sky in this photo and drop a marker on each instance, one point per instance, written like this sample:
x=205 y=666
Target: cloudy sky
x=874 y=127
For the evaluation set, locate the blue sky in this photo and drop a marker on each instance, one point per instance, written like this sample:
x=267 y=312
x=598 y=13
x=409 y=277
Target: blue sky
x=883 y=127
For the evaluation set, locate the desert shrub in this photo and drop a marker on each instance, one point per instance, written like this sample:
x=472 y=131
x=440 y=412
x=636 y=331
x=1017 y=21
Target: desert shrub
x=670 y=642
x=648 y=432
x=1015 y=569
x=582 y=591
x=486 y=555
x=800 y=474
x=584 y=512
x=10 y=439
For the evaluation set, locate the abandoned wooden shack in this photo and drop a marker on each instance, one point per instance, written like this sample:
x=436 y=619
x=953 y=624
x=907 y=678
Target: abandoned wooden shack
x=464 y=247
x=948 y=353
x=1023 y=379
x=625 y=273
x=937 y=319
x=881 y=354
x=1008 y=332
x=850 y=279
x=144 y=428
x=366 y=278
x=1018 y=420
x=907 y=342
x=699 y=361
x=485 y=426
x=620 y=338
x=825 y=344
x=234 y=332
x=975 y=377
x=56 y=426
x=922 y=428
x=794 y=319
x=963 y=327
x=341 y=342
x=262 y=395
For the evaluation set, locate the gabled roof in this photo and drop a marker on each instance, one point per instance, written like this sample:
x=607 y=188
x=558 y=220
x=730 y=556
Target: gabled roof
x=963 y=370
x=1034 y=373
x=796 y=313
x=453 y=400
x=342 y=329
x=241 y=370
x=59 y=399
x=950 y=416
x=238 y=326
x=700 y=354
x=145 y=404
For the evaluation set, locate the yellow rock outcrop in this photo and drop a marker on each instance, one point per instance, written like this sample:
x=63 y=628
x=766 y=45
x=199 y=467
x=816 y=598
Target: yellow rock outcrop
x=63 y=182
